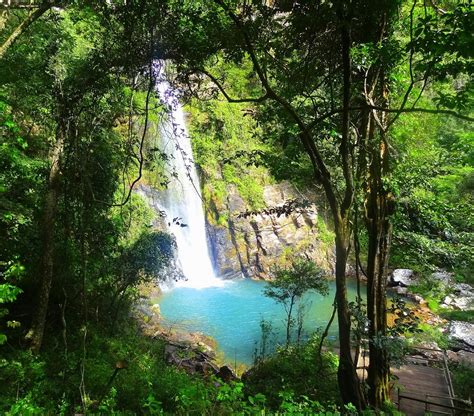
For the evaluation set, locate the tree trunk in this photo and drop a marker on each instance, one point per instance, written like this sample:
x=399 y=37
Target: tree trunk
x=349 y=383
x=379 y=231
x=379 y=206
x=35 y=334
x=348 y=380
x=379 y=368
x=288 y=321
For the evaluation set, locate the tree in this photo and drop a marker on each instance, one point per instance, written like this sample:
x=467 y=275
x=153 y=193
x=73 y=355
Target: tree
x=39 y=10
x=290 y=284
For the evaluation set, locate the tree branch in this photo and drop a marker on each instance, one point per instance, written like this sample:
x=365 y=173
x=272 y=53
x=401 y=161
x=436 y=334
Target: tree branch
x=226 y=95
x=451 y=113
x=419 y=110
x=320 y=169
x=21 y=28
x=410 y=63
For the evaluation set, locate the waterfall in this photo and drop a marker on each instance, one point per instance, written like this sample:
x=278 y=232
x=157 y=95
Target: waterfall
x=182 y=201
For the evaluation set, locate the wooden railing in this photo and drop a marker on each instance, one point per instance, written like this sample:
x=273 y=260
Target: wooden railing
x=429 y=404
x=464 y=407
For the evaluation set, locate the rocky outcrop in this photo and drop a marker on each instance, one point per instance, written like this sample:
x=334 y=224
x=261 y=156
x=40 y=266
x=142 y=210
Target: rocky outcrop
x=194 y=361
x=190 y=359
x=462 y=297
x=251 y=245
x=462 y=357
x=462 y=332
x=403 y=277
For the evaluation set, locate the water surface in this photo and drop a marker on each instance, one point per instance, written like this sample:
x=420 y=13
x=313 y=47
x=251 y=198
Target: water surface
x=232 y=313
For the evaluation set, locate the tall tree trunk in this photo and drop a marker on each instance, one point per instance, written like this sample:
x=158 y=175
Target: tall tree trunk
x=379 y=207
x=379 y=232
x=349 y=383
x=348 y=380
x=35 y=334
x=379 y=368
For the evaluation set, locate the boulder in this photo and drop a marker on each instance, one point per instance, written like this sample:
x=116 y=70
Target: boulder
x=461 y=298
x=462 y=331
x=442 y=276
x=403 y=277
x=402 y=291
x=462 y=357
x=226 y=374
x=429 y=350
x=189 y=359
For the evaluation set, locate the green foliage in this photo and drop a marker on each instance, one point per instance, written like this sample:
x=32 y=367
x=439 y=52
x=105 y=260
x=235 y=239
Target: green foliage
x=80 y=73
x=433 y=226
x=290 y=284
x=17 y=195
x=432 y=291
x=220 y=132
x=444 y=43
x=149 y=256
x=325 y=235
x=294 y=374
x=25 y=406
x=430 y=333
x=463 y=381
x=457 y=315
x=293 y=282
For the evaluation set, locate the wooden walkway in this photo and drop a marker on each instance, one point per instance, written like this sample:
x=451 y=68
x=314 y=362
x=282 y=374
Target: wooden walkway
x=419 y=388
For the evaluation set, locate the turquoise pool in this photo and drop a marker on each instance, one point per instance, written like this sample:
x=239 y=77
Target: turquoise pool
x=232 y=313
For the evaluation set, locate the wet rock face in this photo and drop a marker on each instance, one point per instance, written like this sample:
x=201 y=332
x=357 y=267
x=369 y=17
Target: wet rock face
x=252 y=245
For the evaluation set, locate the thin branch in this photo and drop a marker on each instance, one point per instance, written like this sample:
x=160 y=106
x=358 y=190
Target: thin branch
x=226 y=95
x=420 y=110
x=23 y=26
x=142 y=141
x=393 y=110
x=140 y=157
x=326 y=330
x=410 y=63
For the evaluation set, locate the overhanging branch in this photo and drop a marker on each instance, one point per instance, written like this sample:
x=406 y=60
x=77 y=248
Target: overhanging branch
x=227 y=96
x=451 y=113
x=21 y=28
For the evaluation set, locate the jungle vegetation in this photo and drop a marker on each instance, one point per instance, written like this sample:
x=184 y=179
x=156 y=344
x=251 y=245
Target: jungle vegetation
x=369 y=102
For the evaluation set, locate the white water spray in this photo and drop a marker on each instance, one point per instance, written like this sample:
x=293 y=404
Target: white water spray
x=182 y=200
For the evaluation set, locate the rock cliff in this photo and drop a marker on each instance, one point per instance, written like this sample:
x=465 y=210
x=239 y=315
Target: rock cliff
x=251 y=245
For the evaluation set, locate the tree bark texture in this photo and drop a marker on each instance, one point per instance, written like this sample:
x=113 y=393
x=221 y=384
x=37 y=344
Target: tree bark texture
x=378 y=208
x=35 y=334
x=349 y=383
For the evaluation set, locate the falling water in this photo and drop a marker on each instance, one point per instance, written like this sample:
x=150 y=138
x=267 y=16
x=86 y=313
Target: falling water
x=182 y=201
